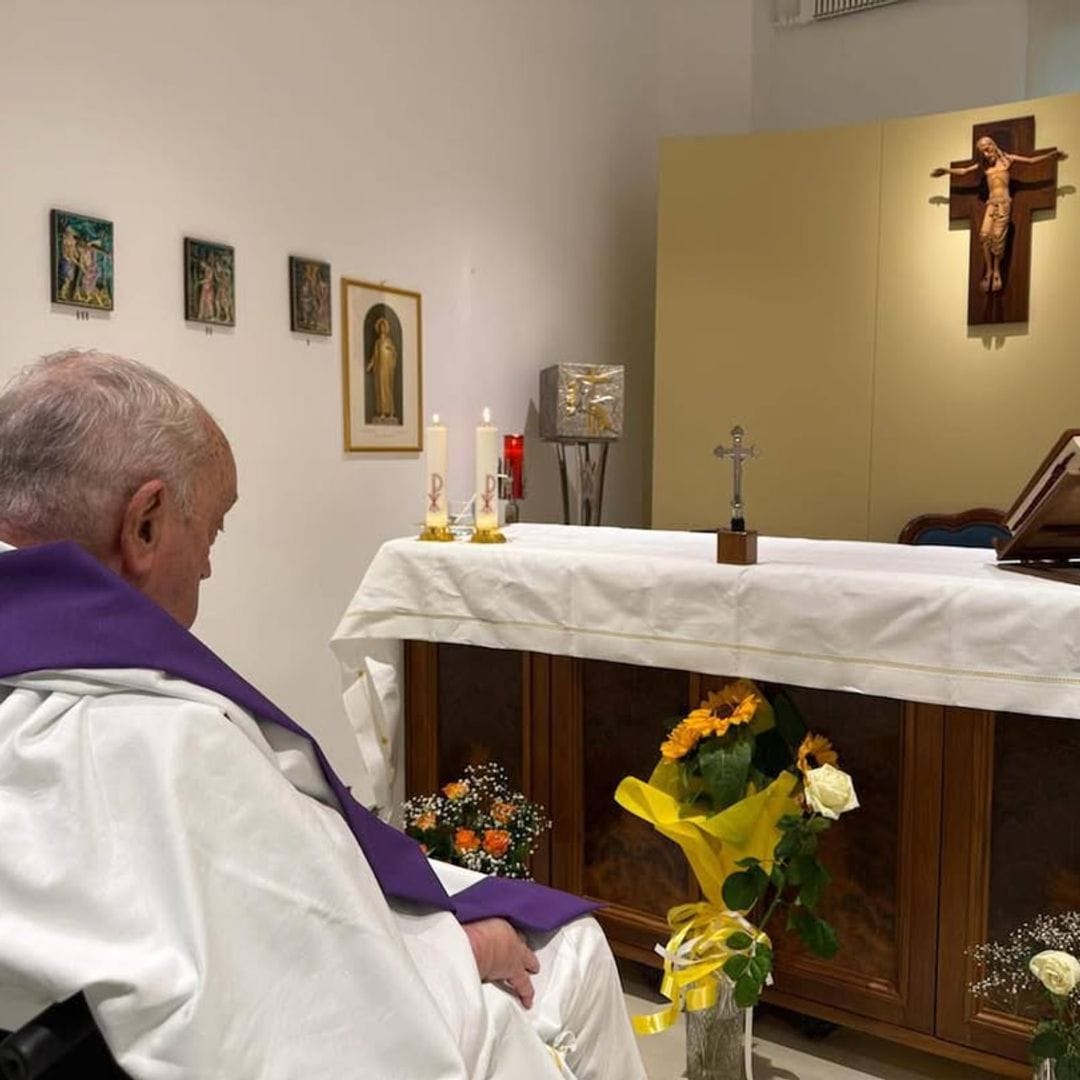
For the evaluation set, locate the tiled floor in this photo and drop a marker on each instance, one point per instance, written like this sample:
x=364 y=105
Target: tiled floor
x=782 y=1053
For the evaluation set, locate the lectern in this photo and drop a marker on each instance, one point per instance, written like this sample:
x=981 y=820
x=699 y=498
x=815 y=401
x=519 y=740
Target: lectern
x=1045 y=519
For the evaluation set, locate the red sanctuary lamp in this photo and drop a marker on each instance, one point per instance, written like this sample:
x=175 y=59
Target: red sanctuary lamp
x=514 y=471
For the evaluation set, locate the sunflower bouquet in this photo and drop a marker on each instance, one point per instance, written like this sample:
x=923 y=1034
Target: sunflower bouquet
x=479 y=822
x=746 y=791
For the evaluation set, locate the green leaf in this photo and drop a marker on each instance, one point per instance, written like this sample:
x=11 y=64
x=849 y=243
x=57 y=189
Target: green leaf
x=778 y=877
x=788 y=721
x=739 y=941
x=818 y=824
x=735 y=966
x=787 y=845
x=748 y=861
x=763 y=720
x=742 y=890
x=816 y=934
x=1067 y=1068
x=790 y=821
x=747 y=991
x=760 y=966
x=725 y=766
x=815 y=878
x=1048 y=1044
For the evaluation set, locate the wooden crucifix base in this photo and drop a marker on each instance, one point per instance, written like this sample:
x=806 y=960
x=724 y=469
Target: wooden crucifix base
x=739 y=548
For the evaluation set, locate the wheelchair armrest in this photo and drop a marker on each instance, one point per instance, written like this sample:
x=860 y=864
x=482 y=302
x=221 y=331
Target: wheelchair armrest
x=46 y=1039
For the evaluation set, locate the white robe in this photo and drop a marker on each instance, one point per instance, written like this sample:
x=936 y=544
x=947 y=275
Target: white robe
x=159 y=853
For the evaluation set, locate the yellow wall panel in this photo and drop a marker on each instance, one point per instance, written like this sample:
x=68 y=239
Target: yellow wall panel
x=963 y=416
x=810 y=287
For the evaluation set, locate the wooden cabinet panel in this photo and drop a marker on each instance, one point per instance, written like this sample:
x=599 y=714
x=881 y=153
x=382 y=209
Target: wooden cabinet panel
x=1011 y=850
x=883 y=859
x=483 y=710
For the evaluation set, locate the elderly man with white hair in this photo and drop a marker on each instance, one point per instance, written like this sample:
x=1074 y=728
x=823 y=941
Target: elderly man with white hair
x=178 y=849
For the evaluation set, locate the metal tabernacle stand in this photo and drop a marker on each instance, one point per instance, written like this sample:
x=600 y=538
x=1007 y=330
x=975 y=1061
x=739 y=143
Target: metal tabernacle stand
x=590 y=480
x=581 y=405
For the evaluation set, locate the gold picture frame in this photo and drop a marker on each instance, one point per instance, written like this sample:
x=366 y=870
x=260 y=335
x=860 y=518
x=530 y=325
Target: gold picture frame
x=381 y=367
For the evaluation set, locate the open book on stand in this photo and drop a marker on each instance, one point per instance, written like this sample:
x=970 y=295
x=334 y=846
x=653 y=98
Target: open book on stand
x=1045 y=519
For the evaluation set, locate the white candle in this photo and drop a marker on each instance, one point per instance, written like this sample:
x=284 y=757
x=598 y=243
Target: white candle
x=435 y=470
x=487 y=473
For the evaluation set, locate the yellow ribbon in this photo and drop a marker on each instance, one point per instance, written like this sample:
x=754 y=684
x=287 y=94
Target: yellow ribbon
x=693 y=958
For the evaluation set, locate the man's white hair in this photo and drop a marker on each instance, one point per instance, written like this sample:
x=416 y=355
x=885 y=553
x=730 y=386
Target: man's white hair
x=81 y=431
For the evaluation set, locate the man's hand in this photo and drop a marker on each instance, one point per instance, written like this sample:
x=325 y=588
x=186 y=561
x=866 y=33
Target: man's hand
x=502 y=956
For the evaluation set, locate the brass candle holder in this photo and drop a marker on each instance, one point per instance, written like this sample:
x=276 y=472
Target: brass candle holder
x=439 y=533
x=487 y=536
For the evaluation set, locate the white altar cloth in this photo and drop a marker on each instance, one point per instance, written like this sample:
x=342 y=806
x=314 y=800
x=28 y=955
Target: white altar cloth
x=920 y=623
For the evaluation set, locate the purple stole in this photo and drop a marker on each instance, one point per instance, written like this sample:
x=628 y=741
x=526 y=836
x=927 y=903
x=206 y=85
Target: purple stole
x=61 y=609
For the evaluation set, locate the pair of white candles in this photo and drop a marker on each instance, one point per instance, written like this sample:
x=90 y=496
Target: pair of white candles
x=486 y=508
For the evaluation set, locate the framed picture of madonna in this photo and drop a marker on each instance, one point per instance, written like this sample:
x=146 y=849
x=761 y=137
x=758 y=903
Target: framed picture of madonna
x=381 y=366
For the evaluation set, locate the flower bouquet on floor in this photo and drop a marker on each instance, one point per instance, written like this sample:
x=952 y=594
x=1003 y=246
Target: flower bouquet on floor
x=478 y=822
x=1035 y=972
x=746 y=792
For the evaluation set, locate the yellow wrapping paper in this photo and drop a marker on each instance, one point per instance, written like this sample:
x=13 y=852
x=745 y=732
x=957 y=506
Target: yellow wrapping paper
x=713 y=845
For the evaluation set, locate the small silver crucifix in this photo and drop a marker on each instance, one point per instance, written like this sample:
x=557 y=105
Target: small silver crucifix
x=738 y=453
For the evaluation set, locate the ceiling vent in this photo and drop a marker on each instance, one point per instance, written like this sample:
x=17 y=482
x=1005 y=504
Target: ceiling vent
x=801 y=12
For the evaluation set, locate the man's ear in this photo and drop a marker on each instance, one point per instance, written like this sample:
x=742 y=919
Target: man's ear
x=141 y=530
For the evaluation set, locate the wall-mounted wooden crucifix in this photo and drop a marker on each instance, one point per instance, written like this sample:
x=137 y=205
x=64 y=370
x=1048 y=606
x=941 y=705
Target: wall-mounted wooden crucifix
x=997 y=190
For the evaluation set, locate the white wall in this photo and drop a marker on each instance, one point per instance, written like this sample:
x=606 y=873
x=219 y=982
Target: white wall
x=498 y=156
x=1053 y=47
x=704 y=58
x=919 y=56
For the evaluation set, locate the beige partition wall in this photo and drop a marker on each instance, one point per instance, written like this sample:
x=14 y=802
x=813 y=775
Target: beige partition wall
x=810 y=287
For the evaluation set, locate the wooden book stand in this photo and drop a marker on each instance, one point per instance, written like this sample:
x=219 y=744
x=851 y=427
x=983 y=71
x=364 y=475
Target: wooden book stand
x=1045 y=519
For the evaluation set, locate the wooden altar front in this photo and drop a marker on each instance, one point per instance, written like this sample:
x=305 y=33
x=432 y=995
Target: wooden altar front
x=967 y=826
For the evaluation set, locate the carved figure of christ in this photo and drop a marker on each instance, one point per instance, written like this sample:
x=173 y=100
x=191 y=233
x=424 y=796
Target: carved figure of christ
x=997 y=191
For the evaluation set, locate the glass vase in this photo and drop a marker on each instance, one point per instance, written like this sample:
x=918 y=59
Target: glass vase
x=715 y=1040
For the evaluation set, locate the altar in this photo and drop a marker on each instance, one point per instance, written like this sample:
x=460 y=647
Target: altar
x=950 y=687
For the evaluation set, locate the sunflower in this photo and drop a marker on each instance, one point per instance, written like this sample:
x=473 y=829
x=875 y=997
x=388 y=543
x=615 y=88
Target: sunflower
x=680 y=741
x=736 y=702
x=815 y=751
x=701 y=721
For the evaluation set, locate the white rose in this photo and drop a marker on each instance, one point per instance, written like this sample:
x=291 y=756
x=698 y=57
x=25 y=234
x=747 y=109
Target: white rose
x=829 y=791
x=1057 y=971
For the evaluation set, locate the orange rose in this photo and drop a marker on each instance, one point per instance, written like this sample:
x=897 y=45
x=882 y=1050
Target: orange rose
x=502 y=812
x=466 y=840
x=457 y=790
x=496 y=841
x=426 y=821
